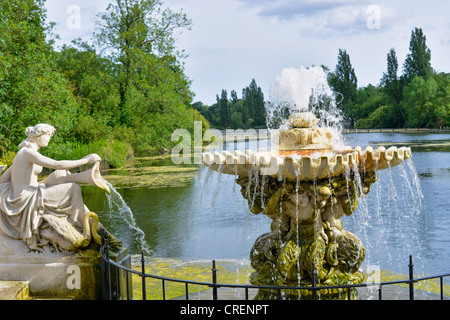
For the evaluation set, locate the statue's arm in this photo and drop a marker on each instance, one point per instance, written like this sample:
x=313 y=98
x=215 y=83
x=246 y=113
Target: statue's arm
x=36 y=158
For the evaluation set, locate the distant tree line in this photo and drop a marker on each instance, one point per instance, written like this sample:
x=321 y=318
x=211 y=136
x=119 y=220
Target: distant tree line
x=418 y=98
x=235 y=113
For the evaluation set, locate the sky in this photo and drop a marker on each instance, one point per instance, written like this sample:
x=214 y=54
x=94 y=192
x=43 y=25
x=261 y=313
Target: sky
x=232 y=42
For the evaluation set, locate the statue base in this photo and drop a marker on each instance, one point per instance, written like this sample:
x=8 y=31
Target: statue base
x=76 y=276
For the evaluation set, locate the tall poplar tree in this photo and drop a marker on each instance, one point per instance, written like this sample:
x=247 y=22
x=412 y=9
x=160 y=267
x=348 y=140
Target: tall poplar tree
x=418 y=60
x=390 y=81
x=392 y=87
x=224 y=111
x=343 y=81
x=253 y=98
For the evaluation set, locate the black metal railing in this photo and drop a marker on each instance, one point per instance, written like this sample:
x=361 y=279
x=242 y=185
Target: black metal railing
x=112 y=291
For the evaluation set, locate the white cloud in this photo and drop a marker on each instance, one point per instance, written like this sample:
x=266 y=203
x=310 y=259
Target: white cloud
x=288 y=9
x=326 y=18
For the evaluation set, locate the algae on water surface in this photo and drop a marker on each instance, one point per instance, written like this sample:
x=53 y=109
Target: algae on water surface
x=152 y=172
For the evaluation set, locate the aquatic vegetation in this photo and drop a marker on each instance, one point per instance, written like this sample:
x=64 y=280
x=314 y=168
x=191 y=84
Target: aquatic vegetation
x=227 y=272
x=429 y=286
x=152 y=172
x=230 y=272
x=305 y=184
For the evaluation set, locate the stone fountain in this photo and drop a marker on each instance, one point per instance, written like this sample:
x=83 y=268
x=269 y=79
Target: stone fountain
x=305 y=187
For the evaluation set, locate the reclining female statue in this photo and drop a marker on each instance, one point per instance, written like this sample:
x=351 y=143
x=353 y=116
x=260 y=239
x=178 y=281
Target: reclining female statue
x=52 y=210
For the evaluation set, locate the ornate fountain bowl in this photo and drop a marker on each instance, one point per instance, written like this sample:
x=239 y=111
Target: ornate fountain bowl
x=292 y=165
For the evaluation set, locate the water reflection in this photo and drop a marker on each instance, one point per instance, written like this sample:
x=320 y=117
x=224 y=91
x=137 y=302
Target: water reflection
x=208 y=218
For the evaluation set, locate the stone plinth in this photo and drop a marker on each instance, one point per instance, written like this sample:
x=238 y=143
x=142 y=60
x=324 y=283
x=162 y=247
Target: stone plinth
x=62 y=275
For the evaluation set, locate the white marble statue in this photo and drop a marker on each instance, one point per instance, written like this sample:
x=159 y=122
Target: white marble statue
x=50 y=211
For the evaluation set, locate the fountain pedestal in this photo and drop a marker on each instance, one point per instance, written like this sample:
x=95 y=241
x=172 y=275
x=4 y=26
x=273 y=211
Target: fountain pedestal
x=306 y=229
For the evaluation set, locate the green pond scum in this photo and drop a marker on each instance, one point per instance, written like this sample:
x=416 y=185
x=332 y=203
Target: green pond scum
x=152 y=172
x=228 y=272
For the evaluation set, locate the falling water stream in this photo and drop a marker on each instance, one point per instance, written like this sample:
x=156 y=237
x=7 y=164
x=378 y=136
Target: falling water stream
x=118 y=207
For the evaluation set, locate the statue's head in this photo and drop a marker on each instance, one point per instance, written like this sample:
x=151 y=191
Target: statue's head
x=34 y=133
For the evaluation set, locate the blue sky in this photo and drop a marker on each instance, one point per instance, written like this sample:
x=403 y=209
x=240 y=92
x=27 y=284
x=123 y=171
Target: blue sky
x=233 y=41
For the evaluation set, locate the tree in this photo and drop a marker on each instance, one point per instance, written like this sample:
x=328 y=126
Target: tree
x=426 y=101
x=236 y=120
x=224 y=111
x=343 y=81
x=368 y=99
x=93 y=84
x=31 y=89
x=418 y=61
x=137 y=33
x=204 y=110
x=419 y=102
x=154 y=92
x=442 y=110
x=380 y=118
x=390 y=81
x=253 y=103
x=392 y=89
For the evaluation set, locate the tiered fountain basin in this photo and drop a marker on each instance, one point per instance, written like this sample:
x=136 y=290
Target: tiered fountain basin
x=305 y=187
x=306 y=164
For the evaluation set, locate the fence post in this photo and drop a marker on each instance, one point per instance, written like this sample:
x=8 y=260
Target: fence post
x=107 y=273
x=411 y=277
x=144 y=293
x=105 y=267
x=314 y=273
x=214 y=279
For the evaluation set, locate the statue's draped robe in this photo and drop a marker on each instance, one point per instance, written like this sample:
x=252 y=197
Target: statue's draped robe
x=23 y=216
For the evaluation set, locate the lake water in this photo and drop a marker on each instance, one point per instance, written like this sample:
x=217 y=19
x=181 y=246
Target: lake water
x=209 y=219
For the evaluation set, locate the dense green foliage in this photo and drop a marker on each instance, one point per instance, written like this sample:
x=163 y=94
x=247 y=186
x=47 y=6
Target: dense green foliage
x=122 y=95
x=31 y=88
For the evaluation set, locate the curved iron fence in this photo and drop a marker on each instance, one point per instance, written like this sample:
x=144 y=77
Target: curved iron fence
x=112 y=291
